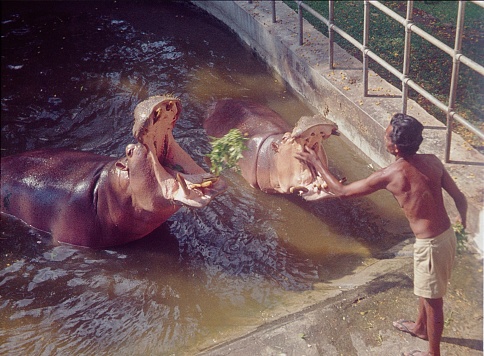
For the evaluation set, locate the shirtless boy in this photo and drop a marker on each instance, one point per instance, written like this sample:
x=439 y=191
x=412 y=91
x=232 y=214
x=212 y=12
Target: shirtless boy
x=416 y=182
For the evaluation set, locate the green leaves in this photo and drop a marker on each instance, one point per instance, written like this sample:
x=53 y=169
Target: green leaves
x=461 y=236
x=226 y=151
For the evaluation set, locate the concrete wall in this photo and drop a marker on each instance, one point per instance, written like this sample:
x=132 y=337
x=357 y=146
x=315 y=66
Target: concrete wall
x=338 y=93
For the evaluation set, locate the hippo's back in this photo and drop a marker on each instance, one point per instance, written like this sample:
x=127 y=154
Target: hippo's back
x=249 y=117
x=38 y=186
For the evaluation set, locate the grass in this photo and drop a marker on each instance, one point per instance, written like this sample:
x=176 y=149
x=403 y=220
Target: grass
x=430 y=67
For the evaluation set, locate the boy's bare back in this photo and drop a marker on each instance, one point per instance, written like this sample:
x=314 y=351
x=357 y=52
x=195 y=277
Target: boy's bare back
x=416 y=182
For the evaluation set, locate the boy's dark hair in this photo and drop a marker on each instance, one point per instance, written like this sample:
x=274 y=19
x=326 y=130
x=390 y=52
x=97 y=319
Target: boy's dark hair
x=407 y=133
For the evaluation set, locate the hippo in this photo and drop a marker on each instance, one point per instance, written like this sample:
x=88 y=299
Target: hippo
x=96 y=201
x=269 y=163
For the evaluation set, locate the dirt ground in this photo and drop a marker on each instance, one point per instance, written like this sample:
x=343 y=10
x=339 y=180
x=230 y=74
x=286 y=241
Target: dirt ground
x=370 y=310
x=358 y=321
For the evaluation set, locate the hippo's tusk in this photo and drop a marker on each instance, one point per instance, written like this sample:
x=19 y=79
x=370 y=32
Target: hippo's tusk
x=299 y=189
x=182 y=183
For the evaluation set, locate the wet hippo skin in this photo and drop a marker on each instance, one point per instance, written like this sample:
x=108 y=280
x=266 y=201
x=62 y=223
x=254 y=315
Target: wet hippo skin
x=96 y=201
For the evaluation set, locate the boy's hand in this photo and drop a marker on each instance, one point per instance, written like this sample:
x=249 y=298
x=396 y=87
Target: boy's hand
x=308 y=156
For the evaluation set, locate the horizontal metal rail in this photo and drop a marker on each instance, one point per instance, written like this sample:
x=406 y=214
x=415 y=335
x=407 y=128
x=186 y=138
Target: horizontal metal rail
x=407 y=82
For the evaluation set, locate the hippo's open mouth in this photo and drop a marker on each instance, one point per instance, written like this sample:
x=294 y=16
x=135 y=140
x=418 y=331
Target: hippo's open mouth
x=154 y=120
x=153 y=117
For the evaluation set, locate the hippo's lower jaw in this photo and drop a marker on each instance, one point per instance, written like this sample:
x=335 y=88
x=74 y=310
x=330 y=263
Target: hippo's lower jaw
x=316 y=195
x=197 y=190
x=316 y=190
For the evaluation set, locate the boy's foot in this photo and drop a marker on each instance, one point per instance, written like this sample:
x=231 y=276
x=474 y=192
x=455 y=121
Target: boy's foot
x=405 y=326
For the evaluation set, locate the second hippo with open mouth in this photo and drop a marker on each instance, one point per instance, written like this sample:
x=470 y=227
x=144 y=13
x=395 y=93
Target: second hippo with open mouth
x=270 y=162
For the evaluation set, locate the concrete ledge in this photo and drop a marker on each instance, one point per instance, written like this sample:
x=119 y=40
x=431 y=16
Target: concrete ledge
x=338 y=94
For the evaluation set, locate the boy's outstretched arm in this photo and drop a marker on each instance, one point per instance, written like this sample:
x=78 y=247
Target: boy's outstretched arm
x=376 y=181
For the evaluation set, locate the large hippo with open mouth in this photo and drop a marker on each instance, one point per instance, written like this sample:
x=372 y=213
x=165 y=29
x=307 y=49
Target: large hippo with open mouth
x=96 y=201
x=269 y=163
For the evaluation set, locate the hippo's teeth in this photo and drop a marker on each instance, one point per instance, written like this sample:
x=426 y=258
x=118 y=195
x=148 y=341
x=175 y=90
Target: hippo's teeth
x=298 y=190
x=182 y=183
x=157 y=115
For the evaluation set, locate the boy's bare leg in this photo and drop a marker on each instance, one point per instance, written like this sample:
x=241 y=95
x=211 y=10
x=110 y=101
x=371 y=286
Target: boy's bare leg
x=420 y=326
x=435 y=323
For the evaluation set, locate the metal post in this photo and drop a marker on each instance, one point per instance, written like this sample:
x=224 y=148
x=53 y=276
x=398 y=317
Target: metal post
x=406 y=54
x=455 y=76
x=273 y=11
x=299 y=11
x=366 y=29
x=331 y=34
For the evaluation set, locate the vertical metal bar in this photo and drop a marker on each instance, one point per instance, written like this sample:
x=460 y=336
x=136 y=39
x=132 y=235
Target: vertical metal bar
x=366 y=29
x=299 y=11
x=331 y=34
x=273 y=11
x=406 y=54
x=455 y=76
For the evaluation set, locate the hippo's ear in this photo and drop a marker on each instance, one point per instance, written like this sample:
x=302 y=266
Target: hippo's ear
x=122 y=164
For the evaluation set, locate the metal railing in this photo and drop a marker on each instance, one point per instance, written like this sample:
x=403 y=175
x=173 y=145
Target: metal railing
x=403 y=75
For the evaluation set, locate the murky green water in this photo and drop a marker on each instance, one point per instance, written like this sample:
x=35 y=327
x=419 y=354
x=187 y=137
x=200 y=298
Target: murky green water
x=72 y=73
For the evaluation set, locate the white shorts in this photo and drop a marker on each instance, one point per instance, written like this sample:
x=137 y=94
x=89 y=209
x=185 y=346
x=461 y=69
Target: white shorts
x=433 y=262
